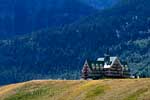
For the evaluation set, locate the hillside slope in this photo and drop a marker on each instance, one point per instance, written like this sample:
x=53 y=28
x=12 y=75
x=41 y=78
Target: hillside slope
x=128 y=89
x=23 y=16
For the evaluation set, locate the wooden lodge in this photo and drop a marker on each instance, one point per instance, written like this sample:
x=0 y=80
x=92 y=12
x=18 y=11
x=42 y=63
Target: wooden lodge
x=106 y=67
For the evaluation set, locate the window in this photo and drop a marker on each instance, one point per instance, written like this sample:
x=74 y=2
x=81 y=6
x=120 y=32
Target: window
x=126 y=67
x=101 y=66
x=93 y=66
x=97 y=66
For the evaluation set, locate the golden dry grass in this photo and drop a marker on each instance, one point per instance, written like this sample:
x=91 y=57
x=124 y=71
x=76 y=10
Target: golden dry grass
x=108 y=89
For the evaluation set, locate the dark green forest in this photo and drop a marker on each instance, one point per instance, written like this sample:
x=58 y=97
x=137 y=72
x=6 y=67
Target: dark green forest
x=19 y=17
x=59 y=52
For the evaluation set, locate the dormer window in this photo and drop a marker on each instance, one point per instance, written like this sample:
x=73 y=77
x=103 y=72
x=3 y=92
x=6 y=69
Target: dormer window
x=125 y=67
x=93 y=66
x=97 y=66
x=101 y=65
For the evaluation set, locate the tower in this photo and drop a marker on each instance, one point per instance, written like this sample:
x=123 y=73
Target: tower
x=107 y=57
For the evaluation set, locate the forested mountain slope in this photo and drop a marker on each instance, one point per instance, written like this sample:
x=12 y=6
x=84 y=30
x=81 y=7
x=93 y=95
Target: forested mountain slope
x=23 y=16
x=60 y=52
x=100 y=4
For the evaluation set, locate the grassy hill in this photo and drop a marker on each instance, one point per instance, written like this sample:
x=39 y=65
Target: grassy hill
x=122 y=89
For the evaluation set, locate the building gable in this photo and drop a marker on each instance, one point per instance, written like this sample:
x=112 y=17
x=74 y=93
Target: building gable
x=86 y=66
x=116 y=64
x=116 y=61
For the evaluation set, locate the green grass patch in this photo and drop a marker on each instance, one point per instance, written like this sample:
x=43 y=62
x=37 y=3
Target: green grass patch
x=35 y=94
x=96 y=91
x=22 y=95
x=136 y=94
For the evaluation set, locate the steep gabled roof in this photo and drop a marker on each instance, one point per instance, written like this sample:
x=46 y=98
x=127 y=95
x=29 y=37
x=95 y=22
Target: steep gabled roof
x=100 y=59
x=100 y=62
x=112 y=59
x=95 y=63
